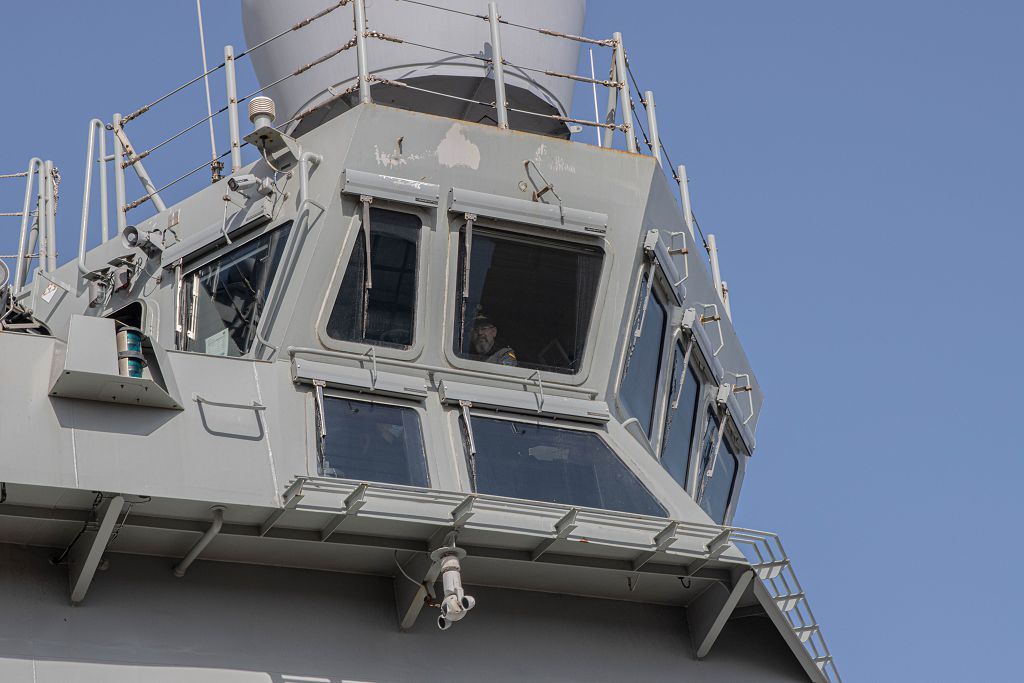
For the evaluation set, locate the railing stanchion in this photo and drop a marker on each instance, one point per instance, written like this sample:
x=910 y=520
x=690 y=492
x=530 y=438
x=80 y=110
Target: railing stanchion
x=364 y=75
x=684 y=193
x=229 y=78
x=498 y=65
x=613 y=96
x=43 y=218
x=24 y=246
x=96 y=129
x=119 y=196
x=51 y=218
x=652 y=126
x=625 y=100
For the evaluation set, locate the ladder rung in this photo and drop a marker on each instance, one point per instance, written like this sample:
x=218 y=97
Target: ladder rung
x=804 y=633
x=769 y=570
x=786 y=603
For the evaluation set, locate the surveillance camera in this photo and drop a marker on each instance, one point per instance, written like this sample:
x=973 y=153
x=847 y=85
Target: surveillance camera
x=443 y=623
x=244 y=184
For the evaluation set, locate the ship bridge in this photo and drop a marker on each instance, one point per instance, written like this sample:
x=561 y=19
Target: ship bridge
x=406 y=334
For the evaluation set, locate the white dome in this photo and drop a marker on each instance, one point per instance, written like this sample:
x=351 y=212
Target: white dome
x=426 y=68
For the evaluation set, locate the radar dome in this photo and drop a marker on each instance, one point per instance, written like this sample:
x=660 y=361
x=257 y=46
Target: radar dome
x=457 y=71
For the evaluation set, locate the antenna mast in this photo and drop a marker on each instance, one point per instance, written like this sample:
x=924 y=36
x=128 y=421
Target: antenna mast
x=215 y=166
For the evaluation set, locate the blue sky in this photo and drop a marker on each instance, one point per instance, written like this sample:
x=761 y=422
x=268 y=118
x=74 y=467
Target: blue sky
x=860 y=165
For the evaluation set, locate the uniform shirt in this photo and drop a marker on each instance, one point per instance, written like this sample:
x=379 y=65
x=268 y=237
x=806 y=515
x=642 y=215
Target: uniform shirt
x=504 y=356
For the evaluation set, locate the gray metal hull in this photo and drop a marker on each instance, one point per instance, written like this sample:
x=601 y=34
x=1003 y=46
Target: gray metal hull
x=231 y=623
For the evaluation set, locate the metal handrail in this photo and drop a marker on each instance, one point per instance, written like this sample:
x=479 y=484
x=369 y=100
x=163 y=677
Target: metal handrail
x=767 y=556
x=621 y=114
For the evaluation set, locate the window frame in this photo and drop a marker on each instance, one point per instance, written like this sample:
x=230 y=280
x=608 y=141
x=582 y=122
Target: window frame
x=736 y=444
x=663 y=293
x=456 y=423
x=191 y=263
x=456 y=224
x=417 y=406
x=355 y=227
x=705 y=396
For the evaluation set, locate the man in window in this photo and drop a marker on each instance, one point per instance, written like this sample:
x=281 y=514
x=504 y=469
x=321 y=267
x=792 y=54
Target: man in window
x=485 y=346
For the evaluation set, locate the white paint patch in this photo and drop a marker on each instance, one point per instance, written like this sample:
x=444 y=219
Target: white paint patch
x=555 y=163
x=458 y=150
x=388 y=160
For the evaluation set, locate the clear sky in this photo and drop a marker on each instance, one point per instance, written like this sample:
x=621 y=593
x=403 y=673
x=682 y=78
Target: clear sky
x=860 y=164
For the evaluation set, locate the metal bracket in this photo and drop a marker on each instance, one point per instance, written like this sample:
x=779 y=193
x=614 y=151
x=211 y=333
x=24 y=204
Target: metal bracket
x=540 y=386
x=463 y=511
x=563 y=527
x=371 y=353
x=353 y=503
x=289 y=499
x=708 y=614
x=410 y=598
x=716 y=318
x=662 y=541
x=85 y=556
x=747 y=388
x=651 y=242
x=714 y=549
x=683 y=251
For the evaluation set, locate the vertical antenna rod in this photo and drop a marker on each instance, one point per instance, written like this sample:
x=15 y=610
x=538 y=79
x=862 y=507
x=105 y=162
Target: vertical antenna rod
x=597 y=110
x=215 y=166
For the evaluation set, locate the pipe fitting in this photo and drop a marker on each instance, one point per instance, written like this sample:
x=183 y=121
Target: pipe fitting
x=215 y=527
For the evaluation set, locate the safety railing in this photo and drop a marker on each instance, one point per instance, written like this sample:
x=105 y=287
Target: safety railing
x=37 y=236
x=127 y=156
x=697 y=543
x=775 y=571
x=619 y=123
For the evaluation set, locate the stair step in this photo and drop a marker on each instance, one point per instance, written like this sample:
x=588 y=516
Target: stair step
x=769 y=570
x=786 y=603
x=823 y=661
x=804 y=633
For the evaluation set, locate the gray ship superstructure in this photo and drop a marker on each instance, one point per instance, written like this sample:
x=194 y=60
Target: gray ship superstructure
x=436 y=389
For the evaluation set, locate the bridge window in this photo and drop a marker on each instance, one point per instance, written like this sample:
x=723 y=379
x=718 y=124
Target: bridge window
x=373 y=442
x=536 y=462
x=527 y=302
x=681 y=418
x=224 y=299
x=639 y=387
x=379 y=306
x=717 y=490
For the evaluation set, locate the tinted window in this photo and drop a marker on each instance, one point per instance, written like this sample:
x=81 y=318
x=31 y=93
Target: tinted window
x=527 y=303
x=640 y=378
x=373 y=442
x=380 y=310
x=681 y=419
x=224 y=299
x=717 y=489
x=536 y=462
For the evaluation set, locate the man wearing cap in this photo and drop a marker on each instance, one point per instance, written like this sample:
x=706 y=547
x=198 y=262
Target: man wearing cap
x=484 y=346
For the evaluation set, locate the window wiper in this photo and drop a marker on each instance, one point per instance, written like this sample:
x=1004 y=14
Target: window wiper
x=471 y=442
x=368 y=280
x=467 y=258
x=709 y=472
x=682 y=373
x=321 y=424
